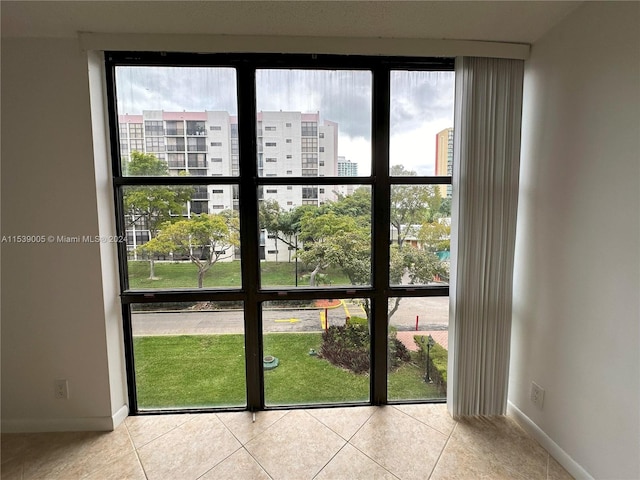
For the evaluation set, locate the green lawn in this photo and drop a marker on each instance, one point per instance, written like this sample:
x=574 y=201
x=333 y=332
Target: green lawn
x=189 y=371
x=221 y=275
x=407 y=383
x=209 y=370
x=302 y=378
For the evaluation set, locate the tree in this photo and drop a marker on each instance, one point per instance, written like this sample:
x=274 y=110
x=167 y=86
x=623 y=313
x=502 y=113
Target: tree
x=331 y=239
x=420 y=265
x=413 y=205
x=204 y=238
x=445 y=208
x=423 y=266
x=338 y=234
x=144 y=165
x=409 y=205
x=152 y=205
x=434 y=203
x=435 y=236
x=356 y=205
x=283 y=226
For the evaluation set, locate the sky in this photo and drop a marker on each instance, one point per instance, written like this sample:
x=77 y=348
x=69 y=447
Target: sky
x=421 y=103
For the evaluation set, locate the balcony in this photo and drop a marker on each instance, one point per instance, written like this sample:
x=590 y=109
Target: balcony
x=200 y=195
x=175 y=148
x=174 y=132
x=197 y=164
x=196 y=133
x=196 y=145
x=196 y=128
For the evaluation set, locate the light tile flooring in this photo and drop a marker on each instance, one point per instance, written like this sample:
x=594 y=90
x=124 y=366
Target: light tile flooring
x=393 y=442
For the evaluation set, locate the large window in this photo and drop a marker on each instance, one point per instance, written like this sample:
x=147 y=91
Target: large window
x=153 y=128
x=258 y=275
x=174 y=127
x=175 y=144
x=196 y=144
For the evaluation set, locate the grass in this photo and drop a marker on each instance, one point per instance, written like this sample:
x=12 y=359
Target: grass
x=209 y=370
x=221 y=275
x=190 y=371
x=407 y=383
x=183 y=275
x=302 y=378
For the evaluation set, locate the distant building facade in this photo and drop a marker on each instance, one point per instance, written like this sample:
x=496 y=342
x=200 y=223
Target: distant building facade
x=346 y=168
x=444 y=158
x=206 y=143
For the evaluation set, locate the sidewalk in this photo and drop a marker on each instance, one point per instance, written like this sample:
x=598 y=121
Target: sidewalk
x=440 y=336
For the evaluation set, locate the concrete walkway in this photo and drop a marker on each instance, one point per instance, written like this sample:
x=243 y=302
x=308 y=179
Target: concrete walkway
x=439 y=336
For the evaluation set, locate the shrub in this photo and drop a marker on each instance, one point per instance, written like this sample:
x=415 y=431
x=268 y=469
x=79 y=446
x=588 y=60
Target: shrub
x=438 y=357
x=398 y=353
x=348 y=347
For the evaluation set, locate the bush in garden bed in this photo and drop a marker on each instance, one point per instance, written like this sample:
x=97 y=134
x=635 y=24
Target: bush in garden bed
x=347 y=346
x=438 y=357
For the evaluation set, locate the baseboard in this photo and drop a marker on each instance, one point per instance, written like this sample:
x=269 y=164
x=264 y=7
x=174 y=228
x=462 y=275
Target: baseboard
x=118 y=417
x=77 y=424
x=563 y=458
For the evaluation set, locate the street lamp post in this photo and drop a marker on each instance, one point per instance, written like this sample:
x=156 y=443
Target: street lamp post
x=430 y=343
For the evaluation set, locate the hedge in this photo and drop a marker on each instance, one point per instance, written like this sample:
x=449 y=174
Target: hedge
x=438 y=357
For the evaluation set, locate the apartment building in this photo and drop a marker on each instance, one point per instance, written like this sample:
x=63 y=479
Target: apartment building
x=444 y=158
x=289 y=144
x=346 y=168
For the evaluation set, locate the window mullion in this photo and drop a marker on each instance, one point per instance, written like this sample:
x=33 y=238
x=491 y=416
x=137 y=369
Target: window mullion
x=380 y=227
x=248 y=204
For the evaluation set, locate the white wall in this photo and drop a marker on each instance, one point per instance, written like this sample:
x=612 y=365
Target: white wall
x=55 y=322
x=576 y=308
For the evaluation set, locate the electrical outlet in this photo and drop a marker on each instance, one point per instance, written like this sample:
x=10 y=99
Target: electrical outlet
x=537 y=395
x=61 y=389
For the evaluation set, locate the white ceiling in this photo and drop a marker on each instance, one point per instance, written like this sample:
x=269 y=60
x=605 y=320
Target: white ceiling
x=520 y=21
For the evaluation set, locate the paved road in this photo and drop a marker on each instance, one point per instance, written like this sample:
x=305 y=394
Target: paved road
x=433 y=314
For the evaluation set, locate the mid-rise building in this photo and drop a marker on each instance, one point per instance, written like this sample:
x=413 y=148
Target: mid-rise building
x=346 y=168
x=289 y=144
x=444 y=158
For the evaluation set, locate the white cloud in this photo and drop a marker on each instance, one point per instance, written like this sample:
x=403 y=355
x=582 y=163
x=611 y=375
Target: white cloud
x=357 y=150
x=416 y=149
x=421 y=103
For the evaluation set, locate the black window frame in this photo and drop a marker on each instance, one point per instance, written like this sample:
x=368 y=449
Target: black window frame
x=249 y=183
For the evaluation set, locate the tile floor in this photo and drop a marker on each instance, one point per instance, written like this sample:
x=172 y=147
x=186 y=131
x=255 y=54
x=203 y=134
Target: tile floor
x=393 y=442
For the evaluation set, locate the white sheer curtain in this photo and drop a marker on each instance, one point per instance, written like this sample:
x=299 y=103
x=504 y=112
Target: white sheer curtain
x=485 y=185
